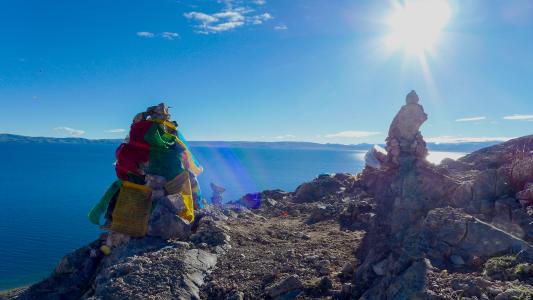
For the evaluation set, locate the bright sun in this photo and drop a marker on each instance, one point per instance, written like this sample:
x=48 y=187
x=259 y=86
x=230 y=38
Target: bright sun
x=416 y=25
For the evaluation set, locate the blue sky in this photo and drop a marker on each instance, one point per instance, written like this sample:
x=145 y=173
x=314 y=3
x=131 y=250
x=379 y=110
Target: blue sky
x=273 y=70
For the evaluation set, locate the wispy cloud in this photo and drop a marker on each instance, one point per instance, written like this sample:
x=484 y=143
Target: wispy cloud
x=471 y=119
x=352 y=134
x=167 y=35
x=259 y=19
x=281 y=27
x=519 y=117
x=284 y=137
x=229 y=18
x=145 y=34
x=117 y=130
x=70 y=131
x=457 y=140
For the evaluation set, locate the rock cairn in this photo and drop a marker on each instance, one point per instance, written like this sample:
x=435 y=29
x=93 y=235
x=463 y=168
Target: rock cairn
x=405 y=143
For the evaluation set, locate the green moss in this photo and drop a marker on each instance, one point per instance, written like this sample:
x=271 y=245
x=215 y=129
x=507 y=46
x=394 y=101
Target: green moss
x=500 y=267
x=522 y=269
x=498 y=264
x=522 y=292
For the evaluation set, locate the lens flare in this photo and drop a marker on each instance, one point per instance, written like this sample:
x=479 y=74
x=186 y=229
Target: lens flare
x=415 y=26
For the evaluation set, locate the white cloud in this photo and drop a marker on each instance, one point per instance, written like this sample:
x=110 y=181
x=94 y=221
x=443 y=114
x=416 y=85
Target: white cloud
x=519 y=117
x=217 y=22
x=70 y=131
x=446 y=139
x=284 y=137
x=200 y=16
x=352 y=134
x=471 y=119
x=223 y=26
x=230 y=18
x=281 y=27
x=145 y=34
x=117 y=130
x=259 y=19
x=169 y=35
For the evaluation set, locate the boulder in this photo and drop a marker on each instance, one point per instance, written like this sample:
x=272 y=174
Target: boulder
x=321 y=212
x=210 y=232
x=375 y=157
x=285 y=286
x=324 y=186
x=468 y=236
x=164 y=221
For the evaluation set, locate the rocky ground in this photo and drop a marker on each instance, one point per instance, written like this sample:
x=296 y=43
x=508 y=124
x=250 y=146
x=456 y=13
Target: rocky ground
x=266 y=250
x=297 y=245
x=402 y=229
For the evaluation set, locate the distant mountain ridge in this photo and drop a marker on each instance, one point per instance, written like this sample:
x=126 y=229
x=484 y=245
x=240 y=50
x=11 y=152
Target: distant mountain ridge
x=457 y=147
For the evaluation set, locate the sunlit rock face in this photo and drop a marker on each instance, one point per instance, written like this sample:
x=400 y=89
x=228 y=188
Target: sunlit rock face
x=415 y=231
x=405 y=144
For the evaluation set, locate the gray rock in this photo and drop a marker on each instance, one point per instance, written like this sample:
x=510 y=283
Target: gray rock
x=210 y=232
x=168 y=273
x=236 y=295
x=509 y=295
x=467 y=234
x=457 y=260
x=164 y=222
x=347 y=269
x=379 y=268
x=321 y=212
x=278 y=289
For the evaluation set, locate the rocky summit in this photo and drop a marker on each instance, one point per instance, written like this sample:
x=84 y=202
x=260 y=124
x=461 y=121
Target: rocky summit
x=401 y=229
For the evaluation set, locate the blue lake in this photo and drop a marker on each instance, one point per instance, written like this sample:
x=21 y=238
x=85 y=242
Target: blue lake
x=46 y=191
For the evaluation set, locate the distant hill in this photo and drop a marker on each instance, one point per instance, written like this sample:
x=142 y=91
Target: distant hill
x=13 y=138
x=457 y=147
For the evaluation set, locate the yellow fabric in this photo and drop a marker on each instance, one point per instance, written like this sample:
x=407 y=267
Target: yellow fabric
x=136 y=186
x=182 y=185
x=132 y=210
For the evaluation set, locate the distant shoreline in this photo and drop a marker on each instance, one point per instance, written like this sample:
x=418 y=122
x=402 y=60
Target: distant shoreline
x=455 y=147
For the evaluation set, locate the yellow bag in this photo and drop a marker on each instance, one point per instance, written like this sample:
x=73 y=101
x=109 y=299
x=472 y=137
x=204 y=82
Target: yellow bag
x=132 y=210
x=182 y=184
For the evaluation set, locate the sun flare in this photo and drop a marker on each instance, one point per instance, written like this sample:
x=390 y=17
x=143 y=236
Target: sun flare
x=416 y=25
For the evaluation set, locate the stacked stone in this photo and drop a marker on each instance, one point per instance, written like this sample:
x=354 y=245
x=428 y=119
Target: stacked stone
x=217 y=197
x=405 y=144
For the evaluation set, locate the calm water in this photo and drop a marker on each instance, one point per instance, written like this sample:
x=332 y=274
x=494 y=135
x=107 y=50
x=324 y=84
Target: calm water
x=46 y=192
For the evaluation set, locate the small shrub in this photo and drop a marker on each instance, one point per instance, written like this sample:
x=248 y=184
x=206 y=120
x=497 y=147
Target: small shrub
x=500 y=267
x=524 y=271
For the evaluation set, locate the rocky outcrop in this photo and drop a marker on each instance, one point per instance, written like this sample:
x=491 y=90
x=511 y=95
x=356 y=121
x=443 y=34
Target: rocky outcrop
x=173 y=271
x=414 y=230
x=495 y=185
x=142 y=268
x=324 y=186
x=452 y=234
